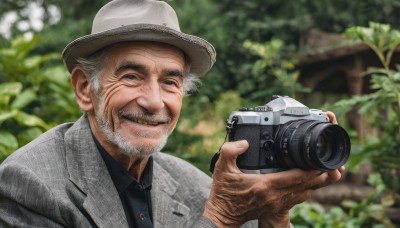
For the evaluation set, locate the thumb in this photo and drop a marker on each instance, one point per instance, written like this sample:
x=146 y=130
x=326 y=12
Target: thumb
x=230 y=151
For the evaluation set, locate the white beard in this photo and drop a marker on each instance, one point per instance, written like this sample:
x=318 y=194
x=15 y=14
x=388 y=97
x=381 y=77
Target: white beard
x=125 y=146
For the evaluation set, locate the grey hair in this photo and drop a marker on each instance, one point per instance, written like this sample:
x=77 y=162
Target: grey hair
x=93 y=66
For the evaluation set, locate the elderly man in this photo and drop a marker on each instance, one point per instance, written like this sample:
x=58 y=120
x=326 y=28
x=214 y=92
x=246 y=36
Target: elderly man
x=105 y=170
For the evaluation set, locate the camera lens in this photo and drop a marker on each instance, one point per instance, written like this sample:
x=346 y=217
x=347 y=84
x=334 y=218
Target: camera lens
x=324 y=149
x=310 y=144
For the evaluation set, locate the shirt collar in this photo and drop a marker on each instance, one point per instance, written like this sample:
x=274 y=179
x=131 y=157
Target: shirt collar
x=121 y=178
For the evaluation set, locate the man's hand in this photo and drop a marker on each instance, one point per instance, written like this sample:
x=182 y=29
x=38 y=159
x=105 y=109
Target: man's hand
x=238 y=197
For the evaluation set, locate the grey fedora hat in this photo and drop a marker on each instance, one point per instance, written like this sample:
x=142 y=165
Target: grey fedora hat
x=140 y=20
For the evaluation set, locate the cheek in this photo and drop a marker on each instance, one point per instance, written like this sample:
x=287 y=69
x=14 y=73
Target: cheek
x=115 y=99
x=174 y=104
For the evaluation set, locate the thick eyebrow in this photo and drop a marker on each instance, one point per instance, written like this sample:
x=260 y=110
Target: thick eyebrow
x=176 y=73
x=130 y=66
x=143 y=69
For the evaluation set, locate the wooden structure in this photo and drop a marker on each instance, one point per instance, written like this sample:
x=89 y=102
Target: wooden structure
x=331 y=65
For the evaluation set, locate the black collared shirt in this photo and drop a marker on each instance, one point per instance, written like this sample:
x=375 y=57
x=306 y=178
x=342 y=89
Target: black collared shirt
x=135 y=196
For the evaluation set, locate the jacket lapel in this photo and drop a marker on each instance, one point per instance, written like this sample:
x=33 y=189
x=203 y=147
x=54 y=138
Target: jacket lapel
x=89 y=173
x=167 y=211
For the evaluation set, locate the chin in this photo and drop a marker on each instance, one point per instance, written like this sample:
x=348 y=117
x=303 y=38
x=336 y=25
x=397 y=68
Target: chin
x=140 y=149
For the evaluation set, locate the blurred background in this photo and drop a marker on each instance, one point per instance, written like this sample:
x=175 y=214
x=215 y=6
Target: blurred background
x=338 y=55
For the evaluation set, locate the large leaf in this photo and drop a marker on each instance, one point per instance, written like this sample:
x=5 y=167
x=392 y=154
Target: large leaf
x=23 y=45
x=37 y=60
x=23 y=99
x=4 y=101
x=8 y=140
x=30 y=120
x=7 y=115
x=10 y=88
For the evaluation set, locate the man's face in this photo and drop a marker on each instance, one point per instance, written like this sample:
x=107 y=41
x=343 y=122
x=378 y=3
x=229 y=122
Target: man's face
x=140 y=96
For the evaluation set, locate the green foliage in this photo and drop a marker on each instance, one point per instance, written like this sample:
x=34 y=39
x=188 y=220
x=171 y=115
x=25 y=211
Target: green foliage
x=381 y=38
x=273 y=66
x=227 y=102
x=44 y=78
x=382 y=106
x=25 y=126
x=370 y=212
x=314 y=215
x=34 y=94
x=227 y=24
x=265 y=21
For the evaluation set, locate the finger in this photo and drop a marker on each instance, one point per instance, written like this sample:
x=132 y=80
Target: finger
x=332 y=117
x=229 y=153
x=233 y=149
x=300 y=180
x=334 y=176
x=328 y=178
x=342 y=169
x=294 y=177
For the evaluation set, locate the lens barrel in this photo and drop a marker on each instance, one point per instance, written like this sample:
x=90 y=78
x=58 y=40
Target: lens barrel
x=312 y=145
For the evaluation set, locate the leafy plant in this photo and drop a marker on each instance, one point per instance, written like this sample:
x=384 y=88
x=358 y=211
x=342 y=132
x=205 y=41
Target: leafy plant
x=35 y=94
x=25 y=127
x=382 y=106
x=370 y=212
x=273 y=62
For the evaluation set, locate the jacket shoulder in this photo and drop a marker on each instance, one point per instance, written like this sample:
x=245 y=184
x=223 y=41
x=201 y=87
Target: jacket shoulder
x=182 y=170
x=41 y=149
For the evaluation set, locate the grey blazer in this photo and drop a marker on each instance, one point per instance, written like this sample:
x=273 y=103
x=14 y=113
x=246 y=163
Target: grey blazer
x=60 y=180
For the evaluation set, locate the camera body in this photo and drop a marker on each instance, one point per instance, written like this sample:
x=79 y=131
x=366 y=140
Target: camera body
x=284 y=134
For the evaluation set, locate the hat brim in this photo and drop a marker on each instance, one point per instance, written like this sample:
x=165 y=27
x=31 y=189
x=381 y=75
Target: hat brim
x=201 y=53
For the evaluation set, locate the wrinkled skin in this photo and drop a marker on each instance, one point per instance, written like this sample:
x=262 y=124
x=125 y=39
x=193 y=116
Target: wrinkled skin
x=237 y=197
x=139 y=102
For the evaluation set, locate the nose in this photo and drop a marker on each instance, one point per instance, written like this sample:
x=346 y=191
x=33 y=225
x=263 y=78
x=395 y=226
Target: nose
x=150 y=98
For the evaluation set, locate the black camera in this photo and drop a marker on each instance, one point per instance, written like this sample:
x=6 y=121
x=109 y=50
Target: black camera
x=286 y=134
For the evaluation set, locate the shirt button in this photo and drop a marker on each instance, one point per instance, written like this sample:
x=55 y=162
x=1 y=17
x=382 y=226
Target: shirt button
x=142 y=216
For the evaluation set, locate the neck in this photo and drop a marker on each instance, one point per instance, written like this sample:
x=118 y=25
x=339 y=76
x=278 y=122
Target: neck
x=133 y=165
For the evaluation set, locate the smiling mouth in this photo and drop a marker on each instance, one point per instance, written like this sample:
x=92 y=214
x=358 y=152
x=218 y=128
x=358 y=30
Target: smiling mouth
x=143 y=121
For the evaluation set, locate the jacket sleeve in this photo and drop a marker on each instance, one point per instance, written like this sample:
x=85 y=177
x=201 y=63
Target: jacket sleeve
x=24 y=200
x=204 y=222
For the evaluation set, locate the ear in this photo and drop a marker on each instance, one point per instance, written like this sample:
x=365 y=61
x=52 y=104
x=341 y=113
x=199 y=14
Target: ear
x=82 y=88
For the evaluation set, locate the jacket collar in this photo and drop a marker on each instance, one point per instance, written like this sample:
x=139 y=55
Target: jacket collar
x=89 y=174
x=168 y=211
